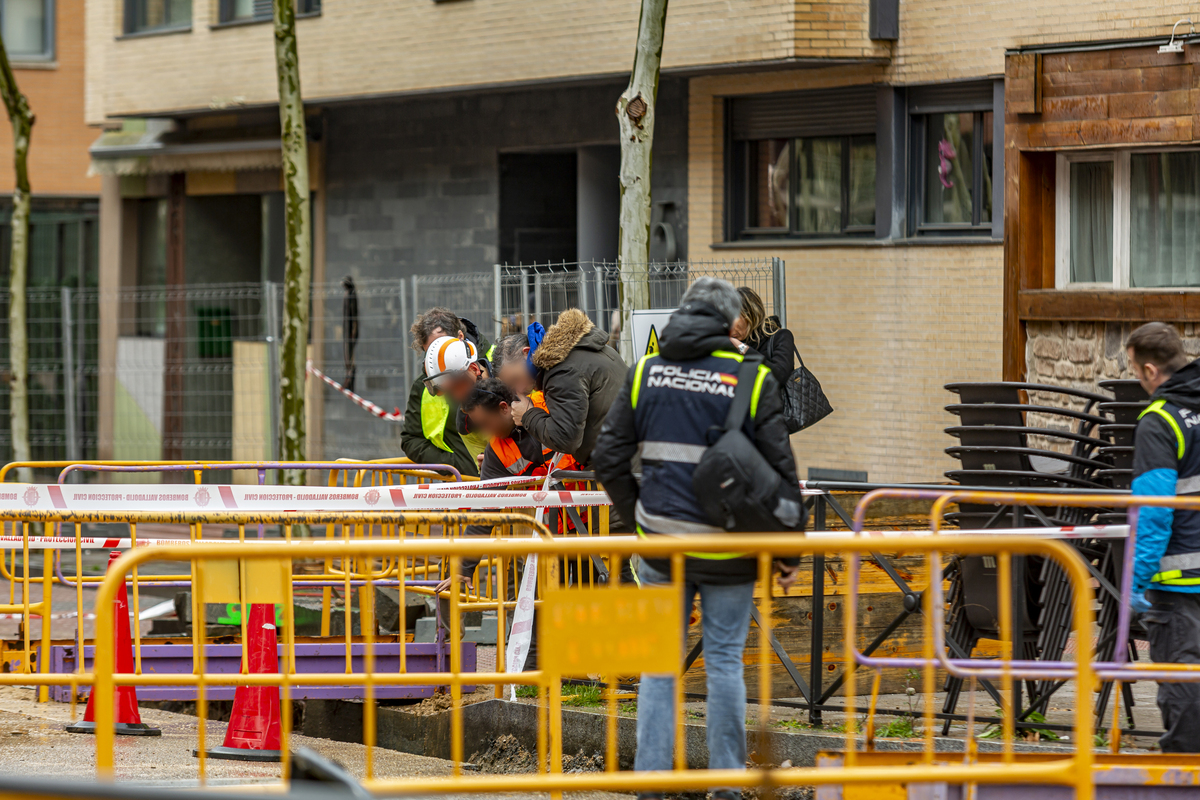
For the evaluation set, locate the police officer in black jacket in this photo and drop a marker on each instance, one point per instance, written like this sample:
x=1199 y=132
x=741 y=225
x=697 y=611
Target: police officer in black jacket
x=666 y=408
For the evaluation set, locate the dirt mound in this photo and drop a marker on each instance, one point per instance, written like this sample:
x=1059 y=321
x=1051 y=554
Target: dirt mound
x=506 y=756
x=441 y=701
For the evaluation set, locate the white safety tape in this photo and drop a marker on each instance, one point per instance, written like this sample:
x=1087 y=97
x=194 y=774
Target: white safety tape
x=154 y=612
x=11 y=542
x=521 y=634
x=1068 y=532
x=212 y=497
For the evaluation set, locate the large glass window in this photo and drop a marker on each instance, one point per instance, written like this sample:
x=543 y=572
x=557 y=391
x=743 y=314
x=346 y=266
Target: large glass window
x=1164 y=230
x=142 y=16
x=28 y=29
x=259 y=10
x=814 y=186
x=955 y=155
x=1129 y=219
x=1091 y=222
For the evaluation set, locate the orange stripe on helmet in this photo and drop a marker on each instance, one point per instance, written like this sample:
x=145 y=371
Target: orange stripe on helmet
x=442 y=354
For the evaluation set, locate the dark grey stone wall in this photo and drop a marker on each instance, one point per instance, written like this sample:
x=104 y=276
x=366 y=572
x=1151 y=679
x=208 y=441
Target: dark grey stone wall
x=413 y=185
x=413 y=189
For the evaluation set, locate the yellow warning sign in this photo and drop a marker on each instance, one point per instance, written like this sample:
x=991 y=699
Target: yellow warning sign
x=620 y=631
x=652 y=342
x=645 y=325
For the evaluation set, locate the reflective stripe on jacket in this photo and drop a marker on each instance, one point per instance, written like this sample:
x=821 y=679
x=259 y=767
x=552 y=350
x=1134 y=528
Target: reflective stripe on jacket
x=675 y=406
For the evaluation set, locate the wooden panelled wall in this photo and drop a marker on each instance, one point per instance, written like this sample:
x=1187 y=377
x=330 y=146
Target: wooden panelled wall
x=1088 y=99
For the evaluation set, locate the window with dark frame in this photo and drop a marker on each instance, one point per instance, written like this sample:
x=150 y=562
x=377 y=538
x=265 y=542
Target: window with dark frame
x=953 y=158
x=802 y=165
x=148 y=16
x=260 y=10
x=28 y=29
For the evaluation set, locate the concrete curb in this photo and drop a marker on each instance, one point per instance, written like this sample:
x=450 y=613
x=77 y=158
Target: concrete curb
x=398 y=729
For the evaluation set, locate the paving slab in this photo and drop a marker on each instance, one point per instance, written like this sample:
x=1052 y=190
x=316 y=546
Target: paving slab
x=34 y=744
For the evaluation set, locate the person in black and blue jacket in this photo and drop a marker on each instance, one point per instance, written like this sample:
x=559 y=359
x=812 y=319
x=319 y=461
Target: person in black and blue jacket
x=1166 y=570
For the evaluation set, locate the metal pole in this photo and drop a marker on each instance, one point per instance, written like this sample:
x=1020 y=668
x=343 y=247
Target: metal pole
x=779 y=276
x=525 y=295
x=581 y=287
x=417 y=359
x=405 y=324
x=271 y=323
x=80 y=407
x=69 y=403
x=537 y=297
x=817 y=645
x=497 y=304
x=601 y=311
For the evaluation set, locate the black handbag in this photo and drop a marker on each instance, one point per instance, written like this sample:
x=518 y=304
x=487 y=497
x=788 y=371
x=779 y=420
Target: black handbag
x=736 y=487
x=804 y=402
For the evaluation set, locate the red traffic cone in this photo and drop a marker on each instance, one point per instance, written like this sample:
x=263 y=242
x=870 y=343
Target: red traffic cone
x=129 y=721
x=253 y=733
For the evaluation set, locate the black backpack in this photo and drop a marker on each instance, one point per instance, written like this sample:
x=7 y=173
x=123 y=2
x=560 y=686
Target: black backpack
x=735 y=486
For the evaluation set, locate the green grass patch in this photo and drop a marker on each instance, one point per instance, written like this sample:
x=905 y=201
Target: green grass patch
x=582 y=695
x=793 y=725
x=899 y=728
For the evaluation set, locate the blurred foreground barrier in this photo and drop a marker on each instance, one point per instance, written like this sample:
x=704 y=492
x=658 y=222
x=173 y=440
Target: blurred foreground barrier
x=611 y=631
x=1034 y=599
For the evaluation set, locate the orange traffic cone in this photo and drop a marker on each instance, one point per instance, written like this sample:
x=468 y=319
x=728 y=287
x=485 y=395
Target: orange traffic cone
x=129 y=721
x=253 y=733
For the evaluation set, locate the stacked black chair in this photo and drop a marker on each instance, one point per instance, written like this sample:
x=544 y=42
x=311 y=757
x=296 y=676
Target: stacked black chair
x=998 y=445
x=1023 y=436
x=1129 y=400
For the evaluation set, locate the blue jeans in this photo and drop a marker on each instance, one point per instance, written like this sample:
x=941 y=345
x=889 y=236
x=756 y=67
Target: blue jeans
x=726 y=621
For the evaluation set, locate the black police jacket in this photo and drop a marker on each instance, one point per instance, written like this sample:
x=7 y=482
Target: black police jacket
x=693 y=335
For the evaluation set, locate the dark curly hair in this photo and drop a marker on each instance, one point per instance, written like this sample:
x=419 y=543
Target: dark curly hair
x=429 y=322
x=489 y=393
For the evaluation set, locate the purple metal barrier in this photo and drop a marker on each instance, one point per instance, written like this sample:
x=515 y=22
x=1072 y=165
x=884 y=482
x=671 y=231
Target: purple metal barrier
x=226 y=659
x=1119 y=670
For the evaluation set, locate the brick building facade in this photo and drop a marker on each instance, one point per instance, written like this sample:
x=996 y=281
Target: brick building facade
x=864 y=144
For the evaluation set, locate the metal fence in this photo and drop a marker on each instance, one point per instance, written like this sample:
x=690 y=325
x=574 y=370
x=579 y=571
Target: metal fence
x=540 y=292
x=192 y=373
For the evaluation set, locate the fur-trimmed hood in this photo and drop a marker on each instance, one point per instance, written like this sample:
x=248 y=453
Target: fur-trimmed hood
x=573 y=329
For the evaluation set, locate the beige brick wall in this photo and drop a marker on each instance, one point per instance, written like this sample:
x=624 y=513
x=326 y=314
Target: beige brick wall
x=948 y=39
x=58 y=150
x=378 y=46
x=884 y=328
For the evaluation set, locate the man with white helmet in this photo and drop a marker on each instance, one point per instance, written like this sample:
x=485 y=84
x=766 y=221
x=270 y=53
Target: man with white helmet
x=452 y=367
x=430 y=434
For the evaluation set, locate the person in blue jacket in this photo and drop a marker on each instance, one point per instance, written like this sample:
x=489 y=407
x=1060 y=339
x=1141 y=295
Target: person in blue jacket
x=1166 y=569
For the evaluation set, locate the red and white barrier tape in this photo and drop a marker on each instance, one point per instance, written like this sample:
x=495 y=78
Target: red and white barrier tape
x=123 y=498
x=394 y=416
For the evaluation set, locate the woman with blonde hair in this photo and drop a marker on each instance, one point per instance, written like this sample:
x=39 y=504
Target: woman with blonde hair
x=754 y=330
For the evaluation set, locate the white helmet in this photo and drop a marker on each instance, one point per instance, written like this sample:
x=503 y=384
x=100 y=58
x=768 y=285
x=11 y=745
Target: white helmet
x=447 y=356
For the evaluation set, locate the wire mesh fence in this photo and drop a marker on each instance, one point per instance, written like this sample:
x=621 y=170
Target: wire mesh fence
x=193 y=372
x=540 y=292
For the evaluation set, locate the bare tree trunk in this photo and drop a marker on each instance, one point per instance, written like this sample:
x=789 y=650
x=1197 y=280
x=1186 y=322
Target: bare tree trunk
x=635 y=115
x=298 y=239
x=22 y=124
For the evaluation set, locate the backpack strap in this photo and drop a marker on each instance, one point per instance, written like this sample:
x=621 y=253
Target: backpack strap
x=743 y=393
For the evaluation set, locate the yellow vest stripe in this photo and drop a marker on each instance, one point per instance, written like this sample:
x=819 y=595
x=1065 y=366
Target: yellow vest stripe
x=637 y=380
x=1157 y=408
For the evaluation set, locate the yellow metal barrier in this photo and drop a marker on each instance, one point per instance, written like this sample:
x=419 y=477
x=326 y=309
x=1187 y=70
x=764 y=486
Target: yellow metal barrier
x=565 y=612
